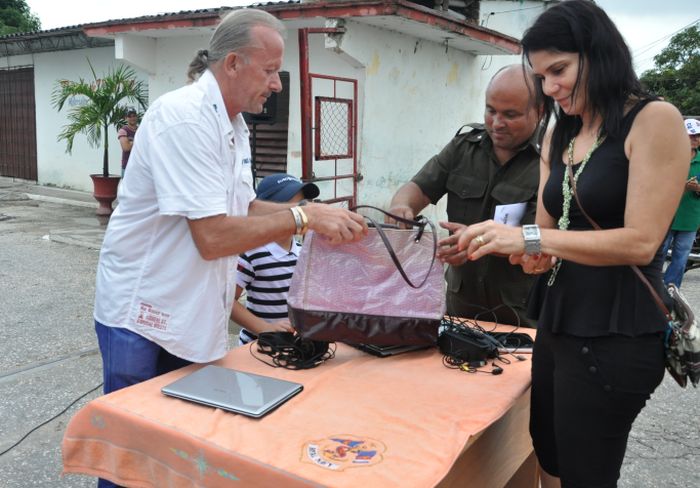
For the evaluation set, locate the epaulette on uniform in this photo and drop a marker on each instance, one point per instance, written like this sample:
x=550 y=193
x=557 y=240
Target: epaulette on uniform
x=475 y=134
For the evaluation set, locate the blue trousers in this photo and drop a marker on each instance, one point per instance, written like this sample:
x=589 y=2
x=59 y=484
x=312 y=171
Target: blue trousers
x=680 y=243
x=128 y=359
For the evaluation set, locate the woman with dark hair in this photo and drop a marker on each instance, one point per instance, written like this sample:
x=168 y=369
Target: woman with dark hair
x=599 y=351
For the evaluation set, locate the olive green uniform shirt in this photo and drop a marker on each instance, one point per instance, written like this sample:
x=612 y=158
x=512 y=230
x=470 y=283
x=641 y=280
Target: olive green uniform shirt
x=687 y=217
x=468 y=171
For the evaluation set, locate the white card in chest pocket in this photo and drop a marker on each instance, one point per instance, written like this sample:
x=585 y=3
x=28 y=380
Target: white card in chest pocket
x=511 y=214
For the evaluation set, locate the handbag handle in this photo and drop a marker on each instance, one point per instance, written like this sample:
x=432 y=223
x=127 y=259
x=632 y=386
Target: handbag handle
x=419 y=222
x=659 y=302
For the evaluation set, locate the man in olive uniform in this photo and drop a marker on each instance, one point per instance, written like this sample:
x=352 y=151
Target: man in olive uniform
x=488 y=172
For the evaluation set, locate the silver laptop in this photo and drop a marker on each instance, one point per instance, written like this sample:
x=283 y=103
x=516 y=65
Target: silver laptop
x=245 y=393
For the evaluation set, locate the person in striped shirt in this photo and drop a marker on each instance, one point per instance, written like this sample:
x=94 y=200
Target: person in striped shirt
x=265 y=272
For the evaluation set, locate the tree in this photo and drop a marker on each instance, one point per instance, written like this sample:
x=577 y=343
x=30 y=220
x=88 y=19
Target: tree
x=103 y=106
x=16 y=17
x=676 y=75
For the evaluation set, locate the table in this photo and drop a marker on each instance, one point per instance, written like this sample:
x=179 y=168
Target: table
x=360 y=421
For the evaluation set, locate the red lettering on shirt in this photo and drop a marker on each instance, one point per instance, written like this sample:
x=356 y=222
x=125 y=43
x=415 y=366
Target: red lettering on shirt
x=152 y=317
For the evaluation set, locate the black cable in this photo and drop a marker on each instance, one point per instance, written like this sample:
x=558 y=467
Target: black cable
x=52 y=418
x=453 y=362
x=482 y=338
x=493 y=312
x=474 y=323
x=289 y=351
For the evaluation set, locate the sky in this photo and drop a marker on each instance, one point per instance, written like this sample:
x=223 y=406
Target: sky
x=647 y=25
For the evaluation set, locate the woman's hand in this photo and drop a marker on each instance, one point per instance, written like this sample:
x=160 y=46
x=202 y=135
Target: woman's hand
x=533 y=263
x=489 y=237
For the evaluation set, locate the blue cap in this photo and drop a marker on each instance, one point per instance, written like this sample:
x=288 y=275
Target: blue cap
x=281 y=187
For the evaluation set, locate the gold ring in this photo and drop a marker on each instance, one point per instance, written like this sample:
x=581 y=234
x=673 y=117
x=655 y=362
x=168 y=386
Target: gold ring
x=480 y=240
x=539 y=270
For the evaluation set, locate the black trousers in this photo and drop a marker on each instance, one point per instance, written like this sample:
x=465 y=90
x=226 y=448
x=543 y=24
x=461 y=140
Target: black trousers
x=586 y=393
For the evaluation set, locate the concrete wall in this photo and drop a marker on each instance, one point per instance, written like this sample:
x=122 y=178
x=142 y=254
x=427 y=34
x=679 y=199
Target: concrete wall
x=173 y=56
x=510 y=17
x=325 y=62
x=416 y=95
x=413 y=96
x=54 y=165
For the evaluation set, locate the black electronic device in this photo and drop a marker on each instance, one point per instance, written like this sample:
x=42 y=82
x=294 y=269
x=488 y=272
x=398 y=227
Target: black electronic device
x=513 y=342
x=387 y=351
x=467 y=345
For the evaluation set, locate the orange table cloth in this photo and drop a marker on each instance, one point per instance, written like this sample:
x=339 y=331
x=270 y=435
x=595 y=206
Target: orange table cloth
x=360 y=421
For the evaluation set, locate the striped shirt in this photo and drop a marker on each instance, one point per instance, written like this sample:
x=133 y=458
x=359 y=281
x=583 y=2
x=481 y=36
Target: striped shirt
x=265 y=274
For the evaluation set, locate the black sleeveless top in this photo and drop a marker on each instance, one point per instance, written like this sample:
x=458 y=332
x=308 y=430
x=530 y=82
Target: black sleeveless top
x=593 y=301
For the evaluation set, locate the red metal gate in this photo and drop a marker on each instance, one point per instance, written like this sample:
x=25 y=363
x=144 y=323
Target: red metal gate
x=328 y=128
x=18 y=122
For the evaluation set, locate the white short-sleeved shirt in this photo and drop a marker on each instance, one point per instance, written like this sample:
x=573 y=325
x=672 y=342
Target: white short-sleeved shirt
x=190 y=162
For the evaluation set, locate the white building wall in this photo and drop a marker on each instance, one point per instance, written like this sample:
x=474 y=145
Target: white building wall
x=54 y=165
x=510 y=17
x=325 y=62
x=413 y=96
x=173 y=56
x=416 y=95
x=17 y=61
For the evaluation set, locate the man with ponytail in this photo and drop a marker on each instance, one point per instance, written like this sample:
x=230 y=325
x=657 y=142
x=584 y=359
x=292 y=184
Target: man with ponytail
x=167 y=270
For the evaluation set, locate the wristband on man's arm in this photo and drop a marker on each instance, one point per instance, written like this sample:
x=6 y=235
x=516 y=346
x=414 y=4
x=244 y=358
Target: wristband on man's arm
x=300 y=220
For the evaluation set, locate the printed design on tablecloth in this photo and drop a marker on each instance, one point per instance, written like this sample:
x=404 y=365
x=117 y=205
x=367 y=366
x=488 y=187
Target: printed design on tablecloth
x=339 y=452
x=202 y=465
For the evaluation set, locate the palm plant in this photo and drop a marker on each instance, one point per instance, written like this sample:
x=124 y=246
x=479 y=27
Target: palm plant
x=106 y=105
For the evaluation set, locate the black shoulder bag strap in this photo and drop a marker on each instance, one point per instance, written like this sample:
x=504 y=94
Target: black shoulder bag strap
x=659 y=302
x=419 y=222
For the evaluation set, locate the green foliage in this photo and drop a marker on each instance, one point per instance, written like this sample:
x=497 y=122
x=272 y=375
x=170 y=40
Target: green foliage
x=676 y=75
x=15 y=17
x=105 y=105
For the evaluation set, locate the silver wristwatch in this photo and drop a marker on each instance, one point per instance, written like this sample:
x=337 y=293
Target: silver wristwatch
x=531 y=234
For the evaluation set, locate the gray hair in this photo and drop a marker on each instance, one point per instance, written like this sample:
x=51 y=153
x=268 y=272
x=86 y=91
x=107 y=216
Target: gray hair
x=232 y=34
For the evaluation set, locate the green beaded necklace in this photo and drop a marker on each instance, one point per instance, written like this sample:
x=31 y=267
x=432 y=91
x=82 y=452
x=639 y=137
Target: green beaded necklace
x=567 y=193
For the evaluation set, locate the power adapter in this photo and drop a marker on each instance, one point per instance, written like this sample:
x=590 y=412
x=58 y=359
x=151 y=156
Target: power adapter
x=467 y=345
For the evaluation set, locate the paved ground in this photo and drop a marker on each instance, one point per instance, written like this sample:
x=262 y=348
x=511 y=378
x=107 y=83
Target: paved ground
x=48 y=353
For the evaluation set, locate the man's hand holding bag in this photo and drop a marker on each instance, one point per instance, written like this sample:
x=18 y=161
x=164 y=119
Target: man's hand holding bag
x=386 y=289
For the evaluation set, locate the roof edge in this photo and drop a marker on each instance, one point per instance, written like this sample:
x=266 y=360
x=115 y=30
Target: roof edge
x=324 y=8
x=400 y=8
x=288 y=10
x=197 y=18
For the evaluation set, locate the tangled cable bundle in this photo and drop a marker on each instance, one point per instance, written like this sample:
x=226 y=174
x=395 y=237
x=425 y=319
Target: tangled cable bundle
x=290 y=351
